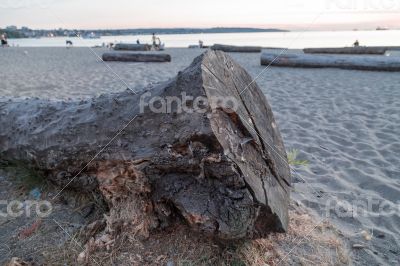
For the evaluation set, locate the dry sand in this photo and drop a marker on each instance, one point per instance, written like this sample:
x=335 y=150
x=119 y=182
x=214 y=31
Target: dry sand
x=345 y=123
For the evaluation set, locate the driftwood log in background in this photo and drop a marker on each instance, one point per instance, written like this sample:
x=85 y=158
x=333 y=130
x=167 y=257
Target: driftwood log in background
x=347 y=50
x=132 y=47
x=377 y=63
x=136 y=57
x=236 y=49
x=389 y=48
x=223 y=171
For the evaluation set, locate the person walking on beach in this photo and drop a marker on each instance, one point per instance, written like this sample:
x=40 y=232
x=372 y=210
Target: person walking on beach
x=4 y=42
x=137 y=41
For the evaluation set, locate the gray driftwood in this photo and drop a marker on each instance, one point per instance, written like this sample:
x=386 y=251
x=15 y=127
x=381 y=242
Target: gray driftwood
x=392 y=48
x=224 y=172
x=132 y=47
x=136 y=57
x=377 y=63
x=347 y=50
x=236 y=49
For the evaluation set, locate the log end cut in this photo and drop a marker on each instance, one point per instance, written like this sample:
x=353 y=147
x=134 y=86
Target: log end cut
x=222 y=170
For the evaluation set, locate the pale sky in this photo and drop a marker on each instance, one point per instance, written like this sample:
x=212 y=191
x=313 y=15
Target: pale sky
x=287 y=14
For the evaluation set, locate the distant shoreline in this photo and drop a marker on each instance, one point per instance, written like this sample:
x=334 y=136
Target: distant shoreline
x=263 y=39
x=30 y=33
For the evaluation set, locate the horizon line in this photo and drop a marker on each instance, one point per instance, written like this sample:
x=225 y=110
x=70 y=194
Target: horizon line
x=203 y=28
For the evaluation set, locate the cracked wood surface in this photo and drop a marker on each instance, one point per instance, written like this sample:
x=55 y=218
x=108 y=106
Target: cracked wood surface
x=223 y=172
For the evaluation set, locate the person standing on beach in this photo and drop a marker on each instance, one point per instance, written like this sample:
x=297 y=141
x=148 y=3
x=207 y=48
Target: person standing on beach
x=4 y=42
x=154 y=40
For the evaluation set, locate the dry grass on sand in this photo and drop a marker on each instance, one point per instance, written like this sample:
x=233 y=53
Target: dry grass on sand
x=306 y=243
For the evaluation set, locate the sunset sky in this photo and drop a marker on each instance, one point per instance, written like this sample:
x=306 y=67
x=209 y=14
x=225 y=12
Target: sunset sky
x=287 y=14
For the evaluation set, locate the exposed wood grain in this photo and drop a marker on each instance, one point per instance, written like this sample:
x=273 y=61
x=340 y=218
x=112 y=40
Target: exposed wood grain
x=223 y=171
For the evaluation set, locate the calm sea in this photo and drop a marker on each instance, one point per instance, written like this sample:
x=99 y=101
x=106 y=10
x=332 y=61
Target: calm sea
x=295 y=40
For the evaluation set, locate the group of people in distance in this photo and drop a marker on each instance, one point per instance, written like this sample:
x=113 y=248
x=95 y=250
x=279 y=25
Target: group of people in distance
x=156 y=43
x=4 y=42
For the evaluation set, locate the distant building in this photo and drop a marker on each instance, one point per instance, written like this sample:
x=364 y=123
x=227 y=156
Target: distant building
x=12 y=28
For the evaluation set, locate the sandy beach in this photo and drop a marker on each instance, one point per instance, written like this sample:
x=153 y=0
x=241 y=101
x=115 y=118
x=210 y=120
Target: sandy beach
x=345 y=123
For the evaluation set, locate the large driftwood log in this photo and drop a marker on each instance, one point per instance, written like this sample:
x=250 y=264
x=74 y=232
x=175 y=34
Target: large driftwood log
x=236 y=49
x=378 y=50
x=347 y=50
x=132 y=47
x=377 y=63
x=223 y=171
x=136 y=57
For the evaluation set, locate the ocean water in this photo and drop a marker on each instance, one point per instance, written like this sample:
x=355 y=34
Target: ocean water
x=293 y=40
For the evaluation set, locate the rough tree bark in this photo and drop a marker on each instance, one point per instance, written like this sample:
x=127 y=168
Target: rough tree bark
x=136 y=57
x=223 y=171
x=357 y=62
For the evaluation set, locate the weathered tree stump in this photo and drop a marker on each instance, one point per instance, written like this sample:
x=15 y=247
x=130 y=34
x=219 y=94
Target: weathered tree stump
x=376 y=63
x=132 y=47
x=136 y=57
x=236 y=49
x=223 y=170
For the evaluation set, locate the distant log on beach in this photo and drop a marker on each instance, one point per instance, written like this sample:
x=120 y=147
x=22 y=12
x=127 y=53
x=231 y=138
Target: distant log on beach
x=136 y=57
x=377 y=63
x=196 y=46
x=388 y=48
x=220 y=168
x=132 y=47
x=236 y=49
x=347 y=50
x=274 y=48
